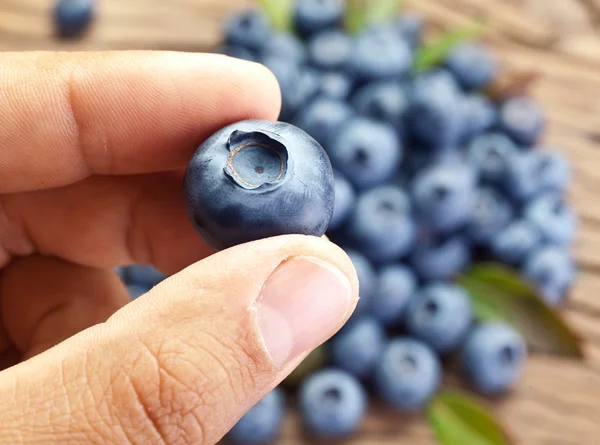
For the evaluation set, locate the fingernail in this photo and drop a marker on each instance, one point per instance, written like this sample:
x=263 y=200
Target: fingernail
x=302 y=304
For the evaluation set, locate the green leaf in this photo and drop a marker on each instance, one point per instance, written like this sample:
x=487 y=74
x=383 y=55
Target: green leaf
x=280 y=13
x=499 y=293
x=459 y=419
x=435 y=52
x=360 y=14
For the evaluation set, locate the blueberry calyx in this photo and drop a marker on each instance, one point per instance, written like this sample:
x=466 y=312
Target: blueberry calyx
x=255 y=160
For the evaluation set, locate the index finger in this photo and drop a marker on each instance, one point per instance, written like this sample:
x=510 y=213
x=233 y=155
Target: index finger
x=65 y=116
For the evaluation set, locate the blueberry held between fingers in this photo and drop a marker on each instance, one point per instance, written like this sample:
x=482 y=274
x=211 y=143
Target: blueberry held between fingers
x=262 y=424
x=257 y=179
x=554 y=218
x=493 y=358
x=396 y=284
x=249 y=29
x=332 y=404
x=522 y=119
x=313 y=16
x=473 y=65
x=552 y=270
x=73 y=17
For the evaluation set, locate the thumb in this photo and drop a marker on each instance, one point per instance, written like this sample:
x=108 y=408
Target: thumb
x=184 y=362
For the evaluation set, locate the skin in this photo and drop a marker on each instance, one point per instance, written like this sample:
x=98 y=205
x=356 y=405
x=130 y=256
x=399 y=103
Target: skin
x=94 y=148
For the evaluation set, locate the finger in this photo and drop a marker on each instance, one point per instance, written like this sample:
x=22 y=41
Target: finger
x=106 y=221
x=184 y=362
x=68 y=115
x=64 y=299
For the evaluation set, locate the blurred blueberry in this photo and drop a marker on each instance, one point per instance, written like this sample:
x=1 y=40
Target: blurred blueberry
x=491 y=214
x=522 y=119
x=250 y=29
x=358 y=347
x=554 y=218
x=73 y=17
x=408 y=374
x=263 y=423
x=345 y=198
x=323 y=118
x=382 y=225
x=479 y=114
x=410 y=26
x=238 y=52
x=554 y=170
x=473 y=65
x=522 y=180
x=136 y=291
x=330 y=50
x=313 y=16
x=368 y=152
x=493 y=358
x=515 y=242
x=335 y=85
x=367 y=278
x=552 y=271
x=145 y=276
x=285 y=45
x=491 y=154
x=395 y=286
x=332 y=404
x=440 y=315
x=384 y=101
x=440 y=258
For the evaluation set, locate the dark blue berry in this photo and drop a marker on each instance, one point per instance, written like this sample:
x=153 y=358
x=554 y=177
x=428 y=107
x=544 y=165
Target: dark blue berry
x=554 y=218
x=395 y=286
x=367 y=278
x=479 y=115
x=440 y=258
x=144 y=276
x=473 y=65
x=384 y=101
x=522 y=119
x=490 y=155
x=73 y=17
x=323 y=118
x=249 y=29
x=554 y=171
x=330 y=50
x=257 y=179
x=410 y=26
x=522 y=180
x=345 y=197
x=313 y=16
x=263 y=423
x=335 y=85
x=135 y=291
x=515 y=242
x=491 y=214
x=552 y=271
x=284 y=45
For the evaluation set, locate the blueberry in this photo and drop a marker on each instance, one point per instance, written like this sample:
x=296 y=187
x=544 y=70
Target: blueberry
x=434 y=114
x=552 y=271
x=490 y=154
x=440 y=315
x=284 y=45
x=479 y=115
x=378 y=55
x=121 y=271
x=135 y=291
x=368 y=152
x=522 y=119
x=522 y=180
x=473 y=65
x=263 y=423
x=382 y=225
x=367 y=278
x=491 y=213
x=358 y=347
x=335 y=85
x=554 y=218
x=384 y=101
x=493 y=358
x=249 y=29
x=345 y=197
x=144 y=276
x=440 y=258
x=410 y=26
x=395 y=285
x=332 y=404
x=257 y=179
x=515 y=242
x=554 y=171
x=313 y=16
x=238 y=52
x=444 y=195
x=323 y=118
x=330 y=50
x=73 y=17
x=408 y=374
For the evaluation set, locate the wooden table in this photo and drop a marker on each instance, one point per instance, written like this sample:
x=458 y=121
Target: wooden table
x=558 y=402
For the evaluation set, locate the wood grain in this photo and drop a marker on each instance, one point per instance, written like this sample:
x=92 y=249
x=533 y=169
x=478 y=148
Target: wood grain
x=558 y=402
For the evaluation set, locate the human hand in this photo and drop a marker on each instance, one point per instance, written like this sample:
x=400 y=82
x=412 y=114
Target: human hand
x=93 y=151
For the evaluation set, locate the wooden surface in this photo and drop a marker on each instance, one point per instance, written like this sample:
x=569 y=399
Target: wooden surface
x=558 y=403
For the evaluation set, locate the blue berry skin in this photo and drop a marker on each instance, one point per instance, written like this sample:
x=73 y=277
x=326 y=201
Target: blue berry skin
x=379 y=54
x=249 y=29
x=408 y=374
x=384 y=101
x=554 y=218
x=523 y=179
x=335 y=85
x=440 y=258
x=358 y=346
x=345 y=198
x=552 y=271
x=313 y=16
x=238 y=52
x=382 y=225
x=479 y=115
x=410 y=27
x=434 y=116
x=73 y=17
x=136 y=291
x=330 y=50
x=473 y=65
x=257 y=179
x=395 y=286
x=367 y=279
x=493 y=358
x=439 y=315
x=444 y=195
x=332 y=404
x=286 y=46
x=263 y=423
x=522 y=119
x=144 y=276
x=516 y=242
x=490 y=155
x=323 y=118
x=491 y=214
x=368 y=152
x=555 y=172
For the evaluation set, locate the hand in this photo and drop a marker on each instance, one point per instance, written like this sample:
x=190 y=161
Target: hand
x=92 y=153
